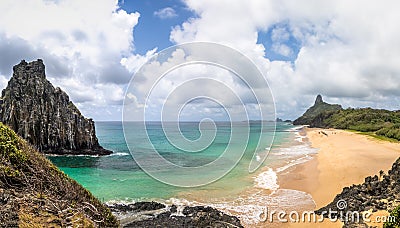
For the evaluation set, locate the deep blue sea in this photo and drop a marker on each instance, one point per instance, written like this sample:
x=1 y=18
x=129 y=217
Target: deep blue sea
x=117 y=177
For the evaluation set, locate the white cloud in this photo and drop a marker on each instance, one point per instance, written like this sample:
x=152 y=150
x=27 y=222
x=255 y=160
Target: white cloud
x=133 y=99
x=134 y=62
x=165 y=13
x=81 y=45
x=349 y=50
x=280 y=34
x=3 y=81
x=282 y=49
x=168 y=84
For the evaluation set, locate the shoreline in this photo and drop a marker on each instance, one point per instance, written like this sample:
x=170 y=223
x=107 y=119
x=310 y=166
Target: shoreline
x=344 y=158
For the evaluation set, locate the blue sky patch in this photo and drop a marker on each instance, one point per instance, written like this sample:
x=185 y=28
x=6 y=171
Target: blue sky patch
x=279 y=43
x=155 y=22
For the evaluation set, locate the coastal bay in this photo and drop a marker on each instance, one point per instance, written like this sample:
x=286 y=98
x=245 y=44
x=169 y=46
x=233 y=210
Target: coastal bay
x=186 y=113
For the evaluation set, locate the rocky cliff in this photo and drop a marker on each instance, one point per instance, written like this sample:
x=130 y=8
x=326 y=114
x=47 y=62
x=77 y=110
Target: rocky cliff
x=44 y=115
x=316 y=113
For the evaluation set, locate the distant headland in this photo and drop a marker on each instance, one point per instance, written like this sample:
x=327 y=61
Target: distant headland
x=379 y=123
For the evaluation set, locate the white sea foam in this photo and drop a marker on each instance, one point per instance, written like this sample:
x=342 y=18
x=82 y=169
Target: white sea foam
x=86 y=155
x=294 y=151
x=120 y=180
x=298 y=137
x=295 y=128
x=179 y=202
x=119 y=201
x=249 y=207
x=293 y=163
x=295 y=154
x=179 y=211
x=118 y=154
x=267 y=180
x=71 y=155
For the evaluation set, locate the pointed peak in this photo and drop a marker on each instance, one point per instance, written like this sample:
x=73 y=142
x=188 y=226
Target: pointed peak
x=30 y=69
x=318 y=100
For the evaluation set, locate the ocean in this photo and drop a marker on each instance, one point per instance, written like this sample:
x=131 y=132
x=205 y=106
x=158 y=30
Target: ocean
x=117 y=178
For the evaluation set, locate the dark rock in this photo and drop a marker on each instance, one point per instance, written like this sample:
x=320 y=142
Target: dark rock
x=8 y=209
x=173 y=209
x=197 y=216
x=356 y=225
x=318 y=100
x=44 y=115
x=137 y=207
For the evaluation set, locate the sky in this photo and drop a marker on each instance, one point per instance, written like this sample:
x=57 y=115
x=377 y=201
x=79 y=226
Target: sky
x=347 y=51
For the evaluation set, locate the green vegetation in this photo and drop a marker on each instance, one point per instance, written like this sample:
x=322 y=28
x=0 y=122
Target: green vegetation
x=35 y=193
x=379 y=123
x=395 y=219
x=375 y=122
x=9 y=146
x=12 y=157
x=375 y=136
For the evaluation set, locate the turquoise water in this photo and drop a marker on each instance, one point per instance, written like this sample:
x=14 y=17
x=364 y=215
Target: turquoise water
x=118 y=177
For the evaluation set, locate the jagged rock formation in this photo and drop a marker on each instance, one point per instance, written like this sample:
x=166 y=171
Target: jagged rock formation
x=44 y=115
x=311 y=116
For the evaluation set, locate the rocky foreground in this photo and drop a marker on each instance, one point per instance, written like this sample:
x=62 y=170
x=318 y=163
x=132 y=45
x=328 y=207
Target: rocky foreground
x=44 y=115
x=35 y=193
x=153 y=214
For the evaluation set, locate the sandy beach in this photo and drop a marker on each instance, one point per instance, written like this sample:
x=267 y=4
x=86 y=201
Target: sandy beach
x=344 y=158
